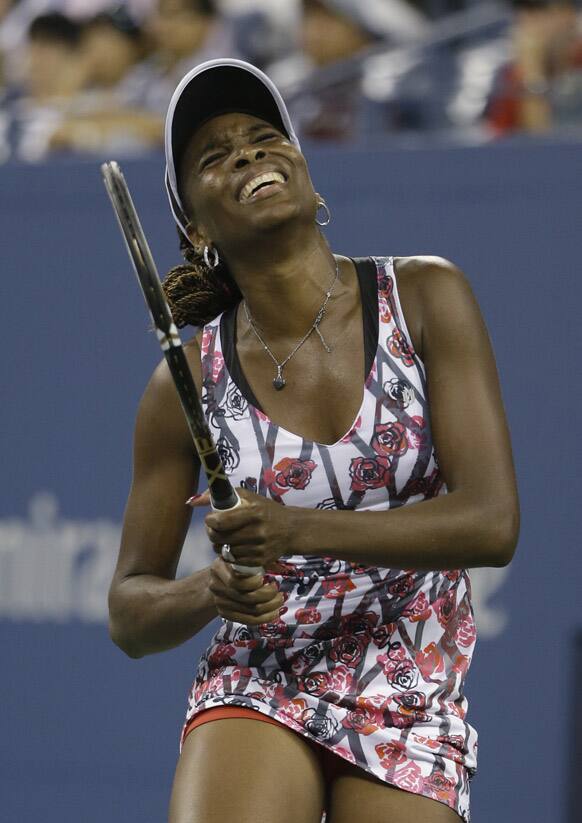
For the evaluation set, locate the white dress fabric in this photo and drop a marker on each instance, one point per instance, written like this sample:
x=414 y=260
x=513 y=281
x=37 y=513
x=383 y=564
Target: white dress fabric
x=369 y=662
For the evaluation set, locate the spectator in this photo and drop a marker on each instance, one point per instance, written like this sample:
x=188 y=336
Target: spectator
x=326 y=108
x=56 y=70
x=113 y=45
x=184 y=32
x=110 y=114
x=54 y=74
x=541 y=85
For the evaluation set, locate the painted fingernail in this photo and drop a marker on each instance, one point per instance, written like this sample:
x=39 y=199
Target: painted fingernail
x=193 y=498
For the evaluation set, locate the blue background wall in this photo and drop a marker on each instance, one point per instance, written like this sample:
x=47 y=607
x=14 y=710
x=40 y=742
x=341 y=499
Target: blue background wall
x=90 y=735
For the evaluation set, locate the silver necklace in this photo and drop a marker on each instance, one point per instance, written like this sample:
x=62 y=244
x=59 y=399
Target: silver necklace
x=279 y=381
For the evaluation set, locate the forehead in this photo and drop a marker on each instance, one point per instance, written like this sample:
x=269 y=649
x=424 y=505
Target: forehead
x=223 y=128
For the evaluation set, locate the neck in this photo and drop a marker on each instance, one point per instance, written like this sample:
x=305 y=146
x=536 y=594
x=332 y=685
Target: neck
x=284 y=293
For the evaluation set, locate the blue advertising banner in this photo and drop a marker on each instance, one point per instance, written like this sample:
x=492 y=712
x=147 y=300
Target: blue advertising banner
x=89 y=734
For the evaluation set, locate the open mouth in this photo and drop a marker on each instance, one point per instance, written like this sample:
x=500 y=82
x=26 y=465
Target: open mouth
x=262 y=185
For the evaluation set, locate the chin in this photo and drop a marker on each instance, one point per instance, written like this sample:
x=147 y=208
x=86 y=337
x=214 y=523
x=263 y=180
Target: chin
x=276 y=215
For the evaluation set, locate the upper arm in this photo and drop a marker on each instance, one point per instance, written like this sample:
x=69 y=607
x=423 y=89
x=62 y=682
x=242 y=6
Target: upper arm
x=468 y=422
x=165 y=474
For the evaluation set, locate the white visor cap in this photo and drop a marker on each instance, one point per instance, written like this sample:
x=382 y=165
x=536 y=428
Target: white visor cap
x=212 y=88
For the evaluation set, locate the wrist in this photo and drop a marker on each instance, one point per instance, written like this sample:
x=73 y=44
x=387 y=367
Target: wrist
x=298 y=531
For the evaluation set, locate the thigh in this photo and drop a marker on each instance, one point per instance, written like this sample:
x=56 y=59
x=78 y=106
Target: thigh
x=359 y=794
x=249 y=771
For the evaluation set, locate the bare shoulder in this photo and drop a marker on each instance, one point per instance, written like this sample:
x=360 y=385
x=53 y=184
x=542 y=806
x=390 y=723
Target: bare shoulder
x=425 y=282
x=417 y=270
x=160 y=415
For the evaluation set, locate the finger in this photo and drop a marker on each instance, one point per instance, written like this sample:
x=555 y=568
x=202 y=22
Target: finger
x=223 y=573
x=272 y=606
x=259 y=594
x=263 y=613
x=199 y=500
x=231 y=519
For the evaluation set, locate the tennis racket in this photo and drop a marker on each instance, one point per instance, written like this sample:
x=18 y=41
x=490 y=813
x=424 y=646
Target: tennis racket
x=222 y=493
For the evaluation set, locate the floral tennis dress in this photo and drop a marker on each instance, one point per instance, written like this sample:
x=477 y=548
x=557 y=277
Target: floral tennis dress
x=369 y=662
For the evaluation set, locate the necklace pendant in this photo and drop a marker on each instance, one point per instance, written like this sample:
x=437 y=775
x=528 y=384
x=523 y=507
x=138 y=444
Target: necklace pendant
x=279 y=382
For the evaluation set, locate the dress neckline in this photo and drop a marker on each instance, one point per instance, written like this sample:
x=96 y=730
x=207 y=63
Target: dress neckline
x=367 y=271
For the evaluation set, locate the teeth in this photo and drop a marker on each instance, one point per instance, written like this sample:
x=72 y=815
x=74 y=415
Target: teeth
x=267 y=177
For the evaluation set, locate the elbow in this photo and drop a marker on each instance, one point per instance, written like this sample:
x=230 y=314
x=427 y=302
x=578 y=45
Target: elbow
x=503 y=542
x=122 y=629
x=123 y=641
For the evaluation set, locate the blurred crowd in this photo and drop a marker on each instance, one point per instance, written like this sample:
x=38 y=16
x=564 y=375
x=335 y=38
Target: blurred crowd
x=85 y=76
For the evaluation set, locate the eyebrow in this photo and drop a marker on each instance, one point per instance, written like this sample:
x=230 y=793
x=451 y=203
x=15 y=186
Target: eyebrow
x=214 y=142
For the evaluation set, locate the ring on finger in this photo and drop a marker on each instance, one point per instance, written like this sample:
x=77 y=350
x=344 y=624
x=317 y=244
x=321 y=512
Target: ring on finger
x=226 y=553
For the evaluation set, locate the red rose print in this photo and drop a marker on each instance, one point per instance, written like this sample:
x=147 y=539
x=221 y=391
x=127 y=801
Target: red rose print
x=364 y=721
x=398 y=346
x=418 y=434
x=427 y=741
x=294 y=474
x=381 y=636
x=444 y=607
x=453 y=575
x=418 y=609
x=316 y=684
x=309 y=615
x=384 y=309
x=409 y=778
x=348 y=650
x=207 y=336
x=385 y=286
x=389 y=439
x=369 y=473
x=461 y=664
x=341 y=680
x=411 y=707
x=333 y=588
x=271 y=630
x=402 y=585
x=294 y=708
x=374 y=701
x=467 y=631
x=430 y=661
x=216 y=367
x=391 y=754
x=222 y=656
x=439 y=786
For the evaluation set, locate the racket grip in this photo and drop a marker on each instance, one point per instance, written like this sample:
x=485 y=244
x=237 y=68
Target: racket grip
x=247 y=571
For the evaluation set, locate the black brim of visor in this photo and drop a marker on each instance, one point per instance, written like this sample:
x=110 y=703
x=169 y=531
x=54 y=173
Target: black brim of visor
x=219 y=91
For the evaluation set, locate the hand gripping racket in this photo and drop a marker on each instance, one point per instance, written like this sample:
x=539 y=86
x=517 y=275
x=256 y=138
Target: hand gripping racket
x=222 y=494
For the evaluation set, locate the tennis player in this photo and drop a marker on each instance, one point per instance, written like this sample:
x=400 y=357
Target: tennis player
x=357 y=408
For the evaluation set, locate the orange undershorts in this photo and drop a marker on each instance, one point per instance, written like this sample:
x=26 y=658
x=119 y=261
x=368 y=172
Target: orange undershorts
x=332 y=764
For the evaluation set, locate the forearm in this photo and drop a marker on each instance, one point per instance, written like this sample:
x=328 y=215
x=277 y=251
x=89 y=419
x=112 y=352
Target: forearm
x=444 y=532
x=150 y=614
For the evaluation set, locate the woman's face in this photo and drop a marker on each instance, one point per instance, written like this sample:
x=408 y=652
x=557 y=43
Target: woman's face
x=241 y=177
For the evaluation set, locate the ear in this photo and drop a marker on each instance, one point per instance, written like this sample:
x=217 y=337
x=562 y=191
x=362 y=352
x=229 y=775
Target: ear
x=197 y=237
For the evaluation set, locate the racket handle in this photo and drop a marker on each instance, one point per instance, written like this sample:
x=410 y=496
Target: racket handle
x=247 y=571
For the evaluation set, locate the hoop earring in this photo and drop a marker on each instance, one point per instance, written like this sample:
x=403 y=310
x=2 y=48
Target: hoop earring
x=323 y=205
x=212 y=264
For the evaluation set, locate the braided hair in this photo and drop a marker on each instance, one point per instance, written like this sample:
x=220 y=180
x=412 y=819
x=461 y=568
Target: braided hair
x=196 y=293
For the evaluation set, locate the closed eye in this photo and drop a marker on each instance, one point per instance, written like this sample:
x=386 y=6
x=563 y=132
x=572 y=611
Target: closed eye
x=266 y=136
x=211 y=158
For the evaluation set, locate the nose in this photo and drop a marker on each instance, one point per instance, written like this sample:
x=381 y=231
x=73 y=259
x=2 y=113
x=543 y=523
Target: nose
x=246 y=156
